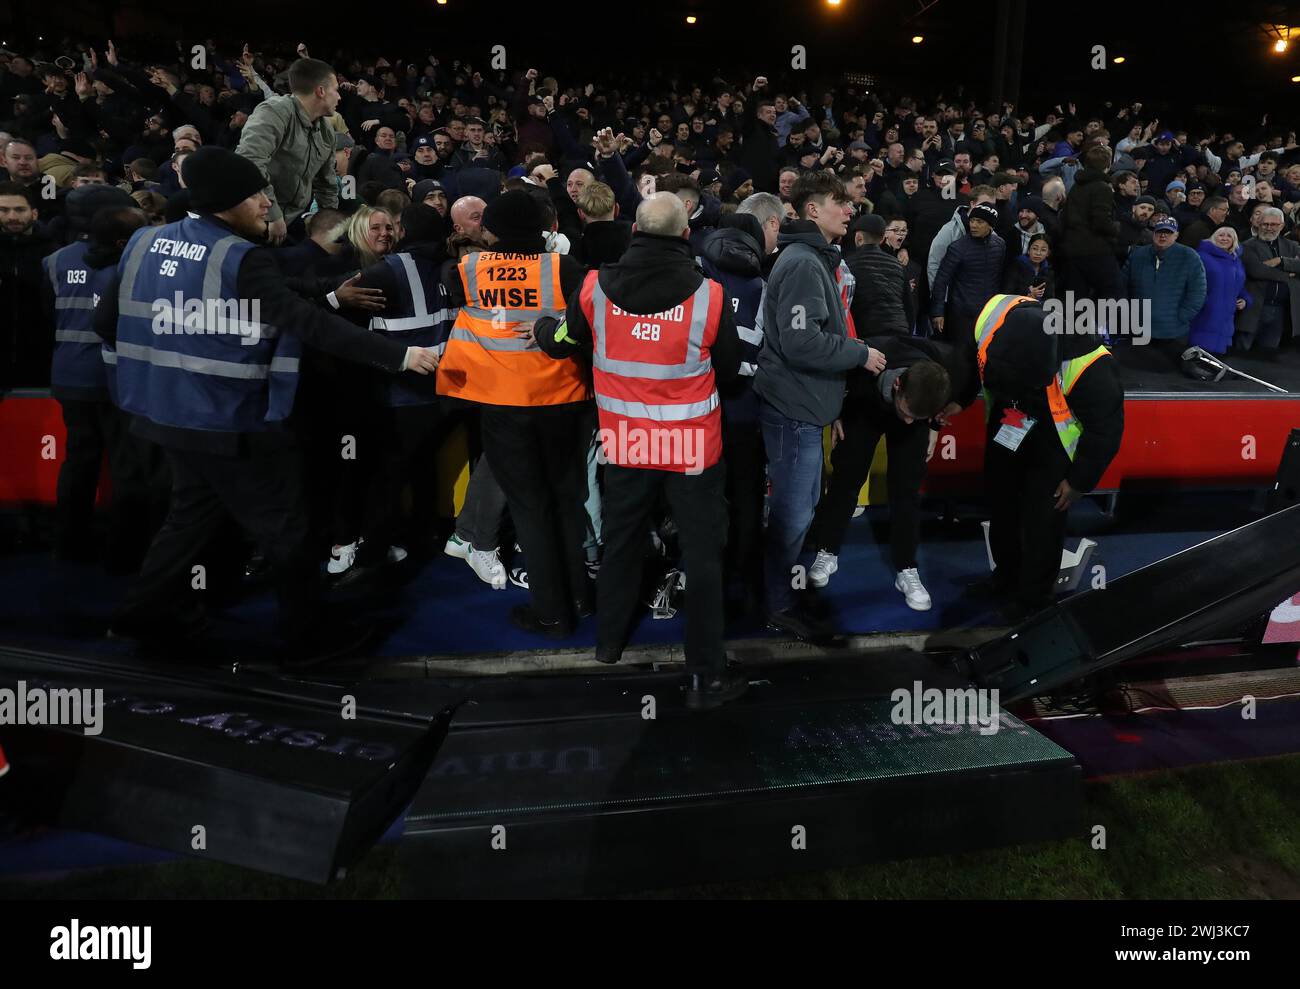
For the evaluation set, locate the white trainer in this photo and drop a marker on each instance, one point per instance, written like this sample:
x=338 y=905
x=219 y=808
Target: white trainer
x=396 y=554
x=342 y=558
x=456 y=547
x=909 y=582
x=826 y=564
x=487 y=565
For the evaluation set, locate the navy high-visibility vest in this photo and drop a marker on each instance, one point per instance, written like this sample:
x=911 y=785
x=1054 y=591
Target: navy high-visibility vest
x=418 y=316
x=745 y=296
x=190 y=352
x=78 y=369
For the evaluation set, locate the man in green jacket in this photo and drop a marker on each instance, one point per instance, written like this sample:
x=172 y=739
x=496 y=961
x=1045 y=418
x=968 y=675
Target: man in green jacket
x=292 y=144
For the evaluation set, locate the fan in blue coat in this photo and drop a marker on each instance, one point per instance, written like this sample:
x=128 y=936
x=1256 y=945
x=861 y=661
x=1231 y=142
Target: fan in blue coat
x=1225 y=291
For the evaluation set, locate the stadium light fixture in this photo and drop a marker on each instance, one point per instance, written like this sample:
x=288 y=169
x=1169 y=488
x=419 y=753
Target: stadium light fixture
x=833 y=3
x=917 y=39
x=1120 y=60
x=1295 y=78
x=1279 y=45
x=690 y=18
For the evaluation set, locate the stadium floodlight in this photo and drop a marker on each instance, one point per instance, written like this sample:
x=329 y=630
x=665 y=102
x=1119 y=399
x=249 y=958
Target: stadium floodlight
x=917 y=39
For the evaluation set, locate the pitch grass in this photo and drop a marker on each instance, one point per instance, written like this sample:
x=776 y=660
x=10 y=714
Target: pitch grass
x=1215 y=832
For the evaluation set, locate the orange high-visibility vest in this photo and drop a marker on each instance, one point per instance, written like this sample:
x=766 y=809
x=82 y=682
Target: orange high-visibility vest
x=485 y=360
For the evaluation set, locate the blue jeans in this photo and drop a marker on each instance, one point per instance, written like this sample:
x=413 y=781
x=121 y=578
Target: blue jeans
x=794 y=466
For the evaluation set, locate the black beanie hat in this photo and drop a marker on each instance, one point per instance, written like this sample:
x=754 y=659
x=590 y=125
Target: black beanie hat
x=82 y=203
x=219 y=179
x=513 y=215
x=984 y=212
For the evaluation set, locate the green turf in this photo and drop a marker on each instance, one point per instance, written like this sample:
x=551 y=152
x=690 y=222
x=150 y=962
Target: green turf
x=1228 y=831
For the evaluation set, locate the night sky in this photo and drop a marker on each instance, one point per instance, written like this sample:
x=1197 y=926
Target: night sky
x=1212 y=61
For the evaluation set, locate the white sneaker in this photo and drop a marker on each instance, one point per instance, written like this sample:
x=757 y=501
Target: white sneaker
x=396 y=554
x=456 y=547
x=909 y=582
x=487 y=565
x=826 y=564
x=342 y=558
x=859 y=510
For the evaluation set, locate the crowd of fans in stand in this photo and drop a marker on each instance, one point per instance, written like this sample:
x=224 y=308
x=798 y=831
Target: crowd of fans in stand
x=967 y=200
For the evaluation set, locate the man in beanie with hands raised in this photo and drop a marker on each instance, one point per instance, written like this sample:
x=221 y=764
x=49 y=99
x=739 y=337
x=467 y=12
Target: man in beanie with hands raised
x=537 y=418
x=208 y=340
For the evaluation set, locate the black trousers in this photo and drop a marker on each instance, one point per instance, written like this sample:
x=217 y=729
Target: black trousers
x=411 y=436
x=539 y=457
x=907 y=445
x=135 y=511
x=699 y=508
x=1026 y=532
x=746 y=469
x=341 y=423
x=262 y=492
x=1095 y=276
x=959 y=327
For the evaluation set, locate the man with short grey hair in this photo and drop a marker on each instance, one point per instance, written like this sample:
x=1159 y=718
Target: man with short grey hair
x=767 y=209
x=1272 y=265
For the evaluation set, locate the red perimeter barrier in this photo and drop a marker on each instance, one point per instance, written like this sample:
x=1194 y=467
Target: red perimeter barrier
x=1180 y=442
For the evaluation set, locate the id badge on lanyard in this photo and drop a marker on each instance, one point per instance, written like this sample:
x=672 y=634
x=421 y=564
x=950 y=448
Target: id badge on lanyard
x=1015 y=427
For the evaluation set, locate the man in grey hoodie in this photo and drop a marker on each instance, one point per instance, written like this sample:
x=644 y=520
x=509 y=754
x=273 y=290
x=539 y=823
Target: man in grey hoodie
x=807 y=353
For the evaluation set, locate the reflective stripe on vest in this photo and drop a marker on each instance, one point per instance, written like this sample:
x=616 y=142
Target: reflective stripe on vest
x=190 y=352
x=693 y=366
x=990 y=319
x=1067 y=426
x=648 y=407
x=76 y=362
x=417 y=317
x=421 y=316
x=746 y=299
x=486 y=360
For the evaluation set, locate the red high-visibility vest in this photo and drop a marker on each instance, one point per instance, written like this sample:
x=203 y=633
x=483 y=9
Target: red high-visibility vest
x=653 y=379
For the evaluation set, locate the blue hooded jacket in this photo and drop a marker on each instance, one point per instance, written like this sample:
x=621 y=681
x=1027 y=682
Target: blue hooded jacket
x=1225 y=283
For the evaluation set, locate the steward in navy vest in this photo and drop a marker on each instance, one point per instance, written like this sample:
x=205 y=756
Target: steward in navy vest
x=733 y=256
x=632 y=318
x=417 y=313
x=77 y=277
x=208 y=338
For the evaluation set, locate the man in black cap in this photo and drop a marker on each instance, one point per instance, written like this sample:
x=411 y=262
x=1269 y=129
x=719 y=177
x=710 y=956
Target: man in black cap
x=208 y=341
x=932 y=208
x=426 y=164
x=1135 y=228
x=881 y=300
x=429 y=192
